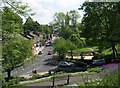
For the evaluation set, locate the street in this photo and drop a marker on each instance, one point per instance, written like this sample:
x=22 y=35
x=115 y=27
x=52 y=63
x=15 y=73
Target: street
x=40 y=64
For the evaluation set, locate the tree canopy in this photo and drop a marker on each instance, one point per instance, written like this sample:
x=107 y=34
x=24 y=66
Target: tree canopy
x=101 y=23
x=15 y=49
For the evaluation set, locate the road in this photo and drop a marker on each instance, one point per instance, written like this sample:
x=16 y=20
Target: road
x=41 y=63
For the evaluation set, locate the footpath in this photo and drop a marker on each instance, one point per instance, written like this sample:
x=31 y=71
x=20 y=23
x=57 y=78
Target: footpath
x=72 y=80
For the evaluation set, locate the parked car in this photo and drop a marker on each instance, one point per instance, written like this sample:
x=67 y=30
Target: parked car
x=98 y=62
x=115 y=60
x=49 y=43
x=64 y=64
x=80 y=64
x=50 y=52
x=40 y=52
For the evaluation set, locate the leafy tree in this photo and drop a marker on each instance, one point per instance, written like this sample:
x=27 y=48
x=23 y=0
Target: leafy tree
x=15 y=53
x=70 y=47
x=60 y=47
x=18 y=7
x=12 y=24
x=77 y=40
x=29 y=24
x=15 y=49
x=59 y=20
x=73 y=15
x=101 y=23
x=66 y=32
x=47 y=29
x=67 y=19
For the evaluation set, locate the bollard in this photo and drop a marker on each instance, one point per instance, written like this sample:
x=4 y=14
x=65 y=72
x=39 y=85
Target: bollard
x=53 y=81
x=68 y=79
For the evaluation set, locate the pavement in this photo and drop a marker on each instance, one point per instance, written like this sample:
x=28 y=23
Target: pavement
x=75 y=79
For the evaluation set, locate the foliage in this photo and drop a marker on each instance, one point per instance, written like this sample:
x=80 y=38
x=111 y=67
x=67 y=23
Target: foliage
x=73 y=15
x=82 y=50
x=63 y=46
x=109 y=80
x=15 y=48
x=70 y=47
x=15 y=53
x=97 y=69
x=18 y=7
x=37 y=76
x=59 y=20
x=77 y=40
x=65 y=32
x=60 y=47
x=101 y=24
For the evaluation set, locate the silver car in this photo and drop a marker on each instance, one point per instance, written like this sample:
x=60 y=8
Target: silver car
x=64 y=64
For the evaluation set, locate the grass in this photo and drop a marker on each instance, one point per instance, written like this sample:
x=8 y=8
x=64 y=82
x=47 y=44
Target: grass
x=84 y=50
x=97 y=69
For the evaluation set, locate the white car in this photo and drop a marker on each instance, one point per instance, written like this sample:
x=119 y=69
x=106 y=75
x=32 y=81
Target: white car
x=64 y=64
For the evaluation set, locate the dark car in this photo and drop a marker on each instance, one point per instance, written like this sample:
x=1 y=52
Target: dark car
x=40 y=52
x=80 y=64
x=98 y=62
x=49 y=43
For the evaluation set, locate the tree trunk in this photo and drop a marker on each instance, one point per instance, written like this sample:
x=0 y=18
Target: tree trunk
x=9 y=73
x=71 y=53
x=114 y=49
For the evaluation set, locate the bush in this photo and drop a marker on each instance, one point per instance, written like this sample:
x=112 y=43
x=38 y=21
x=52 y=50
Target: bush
x=46 y=75
x=97 y=69
x=108 y=81
x=36 y=76
x=20 y=78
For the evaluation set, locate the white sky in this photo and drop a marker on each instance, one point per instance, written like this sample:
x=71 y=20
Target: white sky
x=45 y=9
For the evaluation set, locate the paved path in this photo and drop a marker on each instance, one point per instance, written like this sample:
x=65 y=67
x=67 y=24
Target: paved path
x=76 y=79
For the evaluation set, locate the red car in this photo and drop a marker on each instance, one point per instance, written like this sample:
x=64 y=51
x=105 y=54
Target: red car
x=50 y=52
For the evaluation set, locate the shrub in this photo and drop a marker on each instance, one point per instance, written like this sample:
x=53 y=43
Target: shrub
x=36 y=76
x=110 y=80
x=97 y=69
x=20 y=78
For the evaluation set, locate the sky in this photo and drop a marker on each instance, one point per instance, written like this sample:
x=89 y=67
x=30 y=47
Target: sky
x=45 y=9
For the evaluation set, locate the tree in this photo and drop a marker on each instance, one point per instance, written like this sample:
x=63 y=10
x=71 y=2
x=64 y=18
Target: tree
x=66 y=32
x=15 y=53
x=18 y=7
x=70 y=47
x=73 y=15
x=77 y=40
x=59 y=20
x=15 y=49
x=29 y=24
x=101 y=23
x=60 y=47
